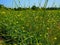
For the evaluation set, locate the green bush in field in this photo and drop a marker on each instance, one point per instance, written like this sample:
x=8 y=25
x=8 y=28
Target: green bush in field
x=30 y=27
x=34 y=7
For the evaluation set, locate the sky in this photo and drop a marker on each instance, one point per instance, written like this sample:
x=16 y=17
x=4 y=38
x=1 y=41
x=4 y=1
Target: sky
x=27 y=3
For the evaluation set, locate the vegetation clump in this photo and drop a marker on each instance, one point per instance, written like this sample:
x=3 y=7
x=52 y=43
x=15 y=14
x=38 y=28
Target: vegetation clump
x=30 y=27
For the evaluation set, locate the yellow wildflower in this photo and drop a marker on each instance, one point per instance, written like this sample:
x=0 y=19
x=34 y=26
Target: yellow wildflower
x=40 y=43
x=22 y=27
x=19 y=15
x=33 y=11
x=40 y=35
x=48 y=20
x=55 y=38
x=36 y=17
x=3 y=12
x=17 y=22
x=48 y=28
x=15 y=30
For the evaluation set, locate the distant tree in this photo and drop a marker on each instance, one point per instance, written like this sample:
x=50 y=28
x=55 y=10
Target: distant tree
x=34 y=7
x=1 y=6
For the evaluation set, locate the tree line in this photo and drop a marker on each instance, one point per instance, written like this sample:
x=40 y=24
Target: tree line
x=33 y=8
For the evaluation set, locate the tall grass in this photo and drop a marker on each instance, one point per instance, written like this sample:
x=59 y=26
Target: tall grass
x=30 y=27
x=45 y=4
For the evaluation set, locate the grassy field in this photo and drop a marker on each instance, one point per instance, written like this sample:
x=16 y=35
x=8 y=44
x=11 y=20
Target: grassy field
x=30 y=27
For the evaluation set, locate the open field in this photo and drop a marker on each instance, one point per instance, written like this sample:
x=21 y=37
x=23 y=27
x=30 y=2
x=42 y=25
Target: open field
x=30 y=27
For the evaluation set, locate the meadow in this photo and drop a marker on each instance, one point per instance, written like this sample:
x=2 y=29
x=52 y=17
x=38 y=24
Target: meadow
x=30 y=27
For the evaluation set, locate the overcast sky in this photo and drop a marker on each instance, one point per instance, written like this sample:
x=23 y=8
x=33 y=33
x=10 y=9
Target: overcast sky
x=27 y=3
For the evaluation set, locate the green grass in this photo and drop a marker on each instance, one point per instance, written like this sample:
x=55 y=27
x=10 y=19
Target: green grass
x=30 y=27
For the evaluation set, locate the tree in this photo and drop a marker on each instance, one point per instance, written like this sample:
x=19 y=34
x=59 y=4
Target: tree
x=34 y=7
x=1 y=6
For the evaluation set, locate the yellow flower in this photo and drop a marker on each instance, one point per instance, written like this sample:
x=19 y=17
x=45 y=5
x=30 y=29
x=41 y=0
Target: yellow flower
x=17 y=22
x=55 y=38
x=57 y=16
x=15 y=44
x=48 y=20
x=36 y=17
x=48 y=28
x=48 y=15
x=3 y=12
x=24 y=31
x=15 y=30
x=19 y=15
x=40 y=35
x=46 y=35
x=22 y=27
x=33 y=11
x=54 y=23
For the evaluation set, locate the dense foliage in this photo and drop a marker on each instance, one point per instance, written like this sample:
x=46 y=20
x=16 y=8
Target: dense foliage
x=33 y=8
x=30 y=27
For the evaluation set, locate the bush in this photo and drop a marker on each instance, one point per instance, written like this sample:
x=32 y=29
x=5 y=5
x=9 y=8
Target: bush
x=1 y=6
x=29 y=27
x=34 y=7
